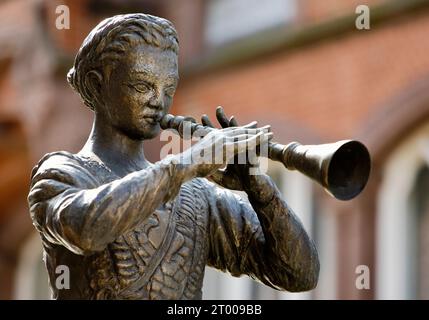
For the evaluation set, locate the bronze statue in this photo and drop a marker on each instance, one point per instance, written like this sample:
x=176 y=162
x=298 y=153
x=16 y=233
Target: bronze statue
x=130 y=229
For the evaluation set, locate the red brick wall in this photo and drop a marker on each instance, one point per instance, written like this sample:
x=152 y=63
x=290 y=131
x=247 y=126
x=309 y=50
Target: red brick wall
x=316 y=10
x=332 y=87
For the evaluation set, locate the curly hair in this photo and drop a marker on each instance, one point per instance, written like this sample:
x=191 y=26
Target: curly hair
x=110 y=39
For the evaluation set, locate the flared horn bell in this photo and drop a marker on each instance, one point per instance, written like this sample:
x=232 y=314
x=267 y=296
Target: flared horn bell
x=342 y=168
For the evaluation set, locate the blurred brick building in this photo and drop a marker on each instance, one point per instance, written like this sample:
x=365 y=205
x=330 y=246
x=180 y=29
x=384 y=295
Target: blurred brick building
x=301 y=66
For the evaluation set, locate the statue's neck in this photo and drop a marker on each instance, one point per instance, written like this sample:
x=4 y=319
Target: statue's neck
x=115 y=149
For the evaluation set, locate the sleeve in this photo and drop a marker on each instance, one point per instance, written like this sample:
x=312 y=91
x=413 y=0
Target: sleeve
x=267 y=243
x=69 y=209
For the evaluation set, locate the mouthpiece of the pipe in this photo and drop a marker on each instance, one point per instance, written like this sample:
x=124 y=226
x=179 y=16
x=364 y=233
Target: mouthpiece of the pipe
x=165 y=121
x=184 y=126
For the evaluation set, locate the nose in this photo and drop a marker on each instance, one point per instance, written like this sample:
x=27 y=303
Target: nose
x=157 y=101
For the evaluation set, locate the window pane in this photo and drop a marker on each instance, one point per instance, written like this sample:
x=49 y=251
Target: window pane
x=231 y=19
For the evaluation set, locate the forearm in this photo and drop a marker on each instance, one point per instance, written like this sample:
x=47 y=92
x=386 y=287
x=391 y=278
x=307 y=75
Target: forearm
x=87 y=220
x=286 y=242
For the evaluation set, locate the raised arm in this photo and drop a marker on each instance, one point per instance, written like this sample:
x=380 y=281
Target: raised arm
x=264 y=240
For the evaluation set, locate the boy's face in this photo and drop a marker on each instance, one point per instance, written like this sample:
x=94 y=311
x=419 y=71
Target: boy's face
x=140 y=91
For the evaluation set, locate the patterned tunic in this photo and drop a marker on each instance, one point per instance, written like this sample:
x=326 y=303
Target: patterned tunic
x=112 y=232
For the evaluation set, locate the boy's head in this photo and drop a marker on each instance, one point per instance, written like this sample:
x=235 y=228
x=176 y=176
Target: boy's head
x=126 y=71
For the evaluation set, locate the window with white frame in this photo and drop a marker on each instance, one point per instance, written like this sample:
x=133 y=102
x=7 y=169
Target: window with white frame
x=420 y=205
x=228 y=20
x=402 y=220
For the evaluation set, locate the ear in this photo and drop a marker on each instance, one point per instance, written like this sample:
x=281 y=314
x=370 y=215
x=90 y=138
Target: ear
x=93 y=83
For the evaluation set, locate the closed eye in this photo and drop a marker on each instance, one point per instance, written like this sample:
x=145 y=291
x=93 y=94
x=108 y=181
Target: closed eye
x=141 y=87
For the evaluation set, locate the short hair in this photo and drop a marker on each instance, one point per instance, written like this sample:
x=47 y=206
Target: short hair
x=107 y=42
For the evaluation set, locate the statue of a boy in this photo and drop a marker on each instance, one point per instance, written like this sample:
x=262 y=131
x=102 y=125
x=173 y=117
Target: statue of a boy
x=130 y=229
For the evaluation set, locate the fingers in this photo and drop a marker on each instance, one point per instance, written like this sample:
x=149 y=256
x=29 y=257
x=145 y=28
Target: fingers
x=206 y=121
x=247 y=136
x=226 y=180
x=221 y=117
x=239 y=137
x=233 y=122
x=252 y=124
x=255 y=140
x=269 y=135
x=248 y=142
x=242 y=130
x=219 y=148
x=223 y=120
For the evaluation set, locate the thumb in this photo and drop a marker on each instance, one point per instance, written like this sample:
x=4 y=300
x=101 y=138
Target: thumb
x=222 y=178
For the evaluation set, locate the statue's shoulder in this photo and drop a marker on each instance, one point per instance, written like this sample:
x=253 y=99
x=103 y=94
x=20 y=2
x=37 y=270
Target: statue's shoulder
x=61 y=166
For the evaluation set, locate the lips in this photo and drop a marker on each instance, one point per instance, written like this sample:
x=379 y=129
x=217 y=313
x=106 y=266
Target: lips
x=153 y=118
